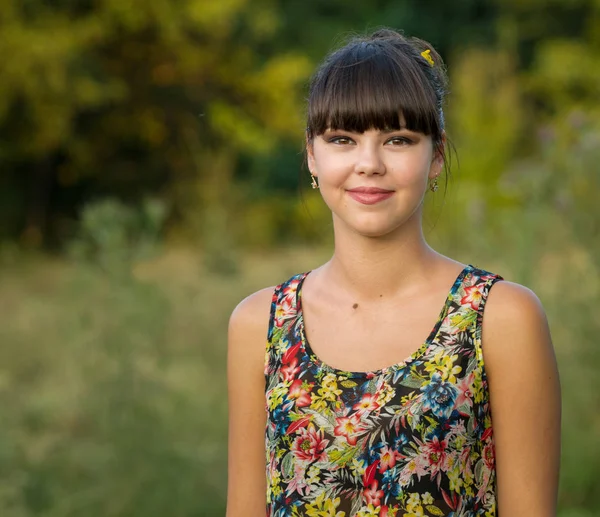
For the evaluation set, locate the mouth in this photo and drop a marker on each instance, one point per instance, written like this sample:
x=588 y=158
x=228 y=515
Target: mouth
x=369 y=195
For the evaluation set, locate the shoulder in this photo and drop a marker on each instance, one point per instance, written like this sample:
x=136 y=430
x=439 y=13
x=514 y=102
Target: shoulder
x=512 y=309
x=515 y=332
x=251 y=315
x=247 y=338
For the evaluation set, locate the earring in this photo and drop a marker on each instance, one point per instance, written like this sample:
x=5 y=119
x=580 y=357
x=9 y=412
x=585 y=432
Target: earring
x=433 y=186
x=314 y=183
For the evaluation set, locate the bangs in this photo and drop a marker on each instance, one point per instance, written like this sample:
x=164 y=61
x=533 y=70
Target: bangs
x=366 y=87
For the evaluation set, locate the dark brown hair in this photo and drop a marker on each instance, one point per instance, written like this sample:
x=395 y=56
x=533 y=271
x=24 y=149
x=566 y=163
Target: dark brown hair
x=379 y=82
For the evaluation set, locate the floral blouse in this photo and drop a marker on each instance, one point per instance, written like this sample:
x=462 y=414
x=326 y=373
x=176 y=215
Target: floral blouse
x=413 y=439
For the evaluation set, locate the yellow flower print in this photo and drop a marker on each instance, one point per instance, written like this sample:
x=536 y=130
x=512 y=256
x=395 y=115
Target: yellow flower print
x=275 y=477
x=448 y=370
x=358 y=467
x=318 y=403
x=416 y=511
x=427 y=499
x=312 y=476
x=477 y=387
x=407 y=399
x=329 y=380
x=455 y=478
x=275 y=396
x=324 y=507
x=414 y=503
x=444 y=364
x=329 y=390
x=282 y=345
x=369 y=511
x=385 y=394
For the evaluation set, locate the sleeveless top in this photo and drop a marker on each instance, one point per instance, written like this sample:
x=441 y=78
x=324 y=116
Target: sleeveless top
x=412 y=439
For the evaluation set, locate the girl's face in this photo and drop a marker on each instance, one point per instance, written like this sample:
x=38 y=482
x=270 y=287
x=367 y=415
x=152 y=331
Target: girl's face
x=373 y=182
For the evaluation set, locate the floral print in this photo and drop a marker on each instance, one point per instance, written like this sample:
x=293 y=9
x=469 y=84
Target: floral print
x=410 y=440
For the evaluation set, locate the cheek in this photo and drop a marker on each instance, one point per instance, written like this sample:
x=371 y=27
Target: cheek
x=412 y=172
x=332 y=166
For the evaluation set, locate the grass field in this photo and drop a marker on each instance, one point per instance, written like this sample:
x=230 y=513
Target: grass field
x=113 y=383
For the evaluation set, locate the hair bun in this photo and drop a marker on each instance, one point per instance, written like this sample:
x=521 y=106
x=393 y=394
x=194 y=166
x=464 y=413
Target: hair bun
x=386 y=33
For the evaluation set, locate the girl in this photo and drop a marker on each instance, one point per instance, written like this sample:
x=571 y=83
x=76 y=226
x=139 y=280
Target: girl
x=383 y=391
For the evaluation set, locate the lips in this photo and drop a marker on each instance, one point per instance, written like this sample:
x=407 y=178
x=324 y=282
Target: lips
x=370 y=195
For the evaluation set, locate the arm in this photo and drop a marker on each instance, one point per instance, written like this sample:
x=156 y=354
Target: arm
x=525 y=401
x=247 y=337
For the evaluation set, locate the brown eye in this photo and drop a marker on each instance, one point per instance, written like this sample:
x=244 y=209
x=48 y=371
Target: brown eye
x=399 y=141
x=340 y=140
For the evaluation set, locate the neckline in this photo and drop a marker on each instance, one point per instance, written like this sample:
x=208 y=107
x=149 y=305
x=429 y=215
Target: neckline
x=315 y=360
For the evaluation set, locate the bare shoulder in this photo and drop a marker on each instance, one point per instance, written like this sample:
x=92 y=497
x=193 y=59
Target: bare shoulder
x=515 y=331
x=248 y=329
x=252 y=313
x=512 y=310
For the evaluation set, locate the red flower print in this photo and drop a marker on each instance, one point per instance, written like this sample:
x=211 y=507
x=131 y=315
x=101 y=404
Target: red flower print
x=489 y=455
x=367 y=403
x=416 y=466
x=300 y=390
x=310 y=445
x=290 y=371
x=473 y=296
x=285 y=308
x=436 y=454
x=294 y=426
x=372 y=495
x=348 y=427
x=387 y=458
x=486 y=434
x=465 y=395
x=290 y=353
x=369 y=474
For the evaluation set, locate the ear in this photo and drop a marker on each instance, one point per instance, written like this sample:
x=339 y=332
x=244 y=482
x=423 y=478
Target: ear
x=438 y=159
x=310 y=156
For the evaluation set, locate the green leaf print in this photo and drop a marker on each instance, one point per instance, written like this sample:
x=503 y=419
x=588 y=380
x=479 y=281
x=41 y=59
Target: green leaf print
x=327 y=423
x=411 y=382
x=345 y=455
x=434 y=510
x=463 y=320
x=371 y=387
x=472 y=364
x=356 y=506
x=479 y=472
x=287 y=466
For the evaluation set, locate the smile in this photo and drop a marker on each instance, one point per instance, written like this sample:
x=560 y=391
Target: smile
x=370 y=195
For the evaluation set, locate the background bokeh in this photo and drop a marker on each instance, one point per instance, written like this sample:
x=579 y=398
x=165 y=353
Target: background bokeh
x=150 y=163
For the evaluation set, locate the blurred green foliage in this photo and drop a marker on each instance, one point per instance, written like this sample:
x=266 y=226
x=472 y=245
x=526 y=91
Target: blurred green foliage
x=128 y=125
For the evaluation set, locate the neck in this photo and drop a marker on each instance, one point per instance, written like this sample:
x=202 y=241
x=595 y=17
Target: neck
x=371 y=268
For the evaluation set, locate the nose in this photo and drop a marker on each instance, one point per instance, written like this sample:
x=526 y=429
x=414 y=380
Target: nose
x=369 y=161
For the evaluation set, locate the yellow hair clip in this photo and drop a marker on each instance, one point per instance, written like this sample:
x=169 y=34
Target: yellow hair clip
x=427 y=55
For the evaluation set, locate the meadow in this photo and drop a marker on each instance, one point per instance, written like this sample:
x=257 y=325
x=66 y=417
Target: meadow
x=113 y=378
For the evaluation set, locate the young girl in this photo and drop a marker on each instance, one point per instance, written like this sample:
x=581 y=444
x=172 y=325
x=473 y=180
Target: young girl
x=373 y=385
